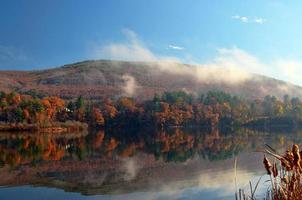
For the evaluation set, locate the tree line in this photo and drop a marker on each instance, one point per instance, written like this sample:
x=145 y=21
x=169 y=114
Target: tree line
x=214 y=108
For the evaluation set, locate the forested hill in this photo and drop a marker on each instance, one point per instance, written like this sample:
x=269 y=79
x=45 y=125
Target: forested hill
x=97 y=79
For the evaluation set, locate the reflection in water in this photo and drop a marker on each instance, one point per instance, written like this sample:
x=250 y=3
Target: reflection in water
x=161 y=164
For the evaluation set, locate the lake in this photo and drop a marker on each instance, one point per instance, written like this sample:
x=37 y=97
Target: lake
x=134 y=164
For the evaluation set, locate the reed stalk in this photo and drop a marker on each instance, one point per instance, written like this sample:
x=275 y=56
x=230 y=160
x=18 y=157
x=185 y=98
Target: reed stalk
x=285 y=178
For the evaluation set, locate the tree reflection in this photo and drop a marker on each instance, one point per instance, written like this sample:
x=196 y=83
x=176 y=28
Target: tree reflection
x=173 y=145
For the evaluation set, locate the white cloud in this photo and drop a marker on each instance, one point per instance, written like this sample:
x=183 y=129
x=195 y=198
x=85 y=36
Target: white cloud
x=290 y=69
x=235 y=58
x=130 y=86
x=236 y=17
x=232 y=65
x=175 y=47
x=259 y=20
x=245 y=19
x=239 y=59
x=131 y=50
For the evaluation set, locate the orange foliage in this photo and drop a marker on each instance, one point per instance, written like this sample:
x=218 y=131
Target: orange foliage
x=26 y=143
x=26 y=114
x=98 y=116
x=16 y=99
x=110 y=110
x=99 y=139
x=54 y=102
x=129 y=151
x=113 y=143
x=127 y=103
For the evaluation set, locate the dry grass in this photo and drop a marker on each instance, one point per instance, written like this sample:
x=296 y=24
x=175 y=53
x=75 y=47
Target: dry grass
x=285 y=174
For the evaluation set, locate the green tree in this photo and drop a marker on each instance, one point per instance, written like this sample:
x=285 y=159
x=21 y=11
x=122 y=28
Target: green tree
x=79 y=102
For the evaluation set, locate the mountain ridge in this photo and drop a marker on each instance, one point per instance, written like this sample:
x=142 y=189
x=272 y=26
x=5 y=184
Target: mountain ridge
x=106 y=78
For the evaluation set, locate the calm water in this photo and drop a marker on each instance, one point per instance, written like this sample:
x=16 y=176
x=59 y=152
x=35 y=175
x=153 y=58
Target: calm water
x=174 y=164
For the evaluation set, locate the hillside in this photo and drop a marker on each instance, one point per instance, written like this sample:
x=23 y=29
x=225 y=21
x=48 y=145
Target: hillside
x=98 y=79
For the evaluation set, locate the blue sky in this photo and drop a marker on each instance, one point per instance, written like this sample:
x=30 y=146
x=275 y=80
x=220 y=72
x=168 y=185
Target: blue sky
x=259 y=36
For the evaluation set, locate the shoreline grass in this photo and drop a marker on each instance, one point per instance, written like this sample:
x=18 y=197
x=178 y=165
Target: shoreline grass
x=285 y=176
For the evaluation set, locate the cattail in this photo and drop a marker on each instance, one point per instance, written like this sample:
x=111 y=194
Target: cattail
x=297 y=157
x=291 y=186
x=286 y=164
x=275 y=170
x=289 y=156
x=285 y=179
x=267 y=165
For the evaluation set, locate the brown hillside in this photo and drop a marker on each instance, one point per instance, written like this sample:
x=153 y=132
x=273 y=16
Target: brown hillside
x=98 y=79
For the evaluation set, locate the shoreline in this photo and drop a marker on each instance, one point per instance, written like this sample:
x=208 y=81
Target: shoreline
x=56 y=127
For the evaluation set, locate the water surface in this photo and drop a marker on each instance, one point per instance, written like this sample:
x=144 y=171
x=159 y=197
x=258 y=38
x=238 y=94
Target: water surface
x=138 y=164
